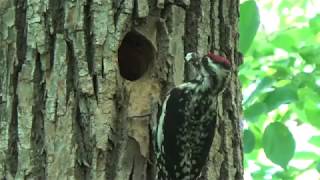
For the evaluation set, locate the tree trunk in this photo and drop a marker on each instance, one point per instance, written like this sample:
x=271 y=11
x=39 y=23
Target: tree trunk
x=81 y=80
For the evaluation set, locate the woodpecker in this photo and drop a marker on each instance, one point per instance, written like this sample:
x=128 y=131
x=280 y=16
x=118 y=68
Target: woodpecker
x=187 y=120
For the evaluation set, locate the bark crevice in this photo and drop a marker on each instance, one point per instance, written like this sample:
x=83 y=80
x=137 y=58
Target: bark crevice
x=72 y=71
x=191 y=27
x=89 y=44
x=117 y=6
x=51 y=48
x=12 y=156
x=117 y=138
x=223 y=41
x=21 y=45
x=224 y=171
x=83 y=141
x=38 y=156
x=57 y=12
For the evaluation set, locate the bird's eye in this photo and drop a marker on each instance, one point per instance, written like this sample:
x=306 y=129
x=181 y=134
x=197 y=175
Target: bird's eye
x=205 y=60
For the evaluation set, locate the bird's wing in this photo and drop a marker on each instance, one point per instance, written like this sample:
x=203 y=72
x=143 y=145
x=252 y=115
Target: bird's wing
x=170 y=123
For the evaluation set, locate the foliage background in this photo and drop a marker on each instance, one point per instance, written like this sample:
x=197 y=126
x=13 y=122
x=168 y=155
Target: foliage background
x=281 y=85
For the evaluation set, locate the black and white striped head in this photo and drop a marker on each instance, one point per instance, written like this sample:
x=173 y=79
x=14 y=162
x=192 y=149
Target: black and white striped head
x=214 y=70
x=215 y=65
x=210 y=64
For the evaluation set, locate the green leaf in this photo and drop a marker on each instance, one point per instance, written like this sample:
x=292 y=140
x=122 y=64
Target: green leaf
x=312 y=114
x=314 y=24
x=266 y=49
x=293 y=39
x=303 y=79
x=299 y=111
x=282 y=95
x=311 y=54
x=315 y=140
x=303 y=36
x=259 y=174
x=266 y=82
x=249 y=23
x=258 y=141
x=284 y=175
x=253 y=112
x=244 y=80
x=284 y=41
x=306 y=156
x=286 y=116
x=278 y=144
x=318 y=167
x=249 y=141
x=310 y=106
x=283 y=68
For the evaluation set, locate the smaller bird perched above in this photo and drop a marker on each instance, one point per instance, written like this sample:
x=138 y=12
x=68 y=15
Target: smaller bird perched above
x=187 y=122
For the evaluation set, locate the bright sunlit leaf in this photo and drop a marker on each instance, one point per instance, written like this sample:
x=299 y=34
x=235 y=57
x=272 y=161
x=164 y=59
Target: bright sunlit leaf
x=313 y=116
x=315 y=140
x=284 y=41
x=315 y=24
x=305 y=155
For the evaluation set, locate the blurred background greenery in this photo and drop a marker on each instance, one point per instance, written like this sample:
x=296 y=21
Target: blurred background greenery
x=280 y=41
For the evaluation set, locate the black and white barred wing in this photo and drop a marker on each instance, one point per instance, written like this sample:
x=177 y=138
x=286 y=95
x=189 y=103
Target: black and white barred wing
x=170 y=151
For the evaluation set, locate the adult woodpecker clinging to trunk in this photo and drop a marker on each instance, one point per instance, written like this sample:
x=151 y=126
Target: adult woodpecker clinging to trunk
x=187 y=121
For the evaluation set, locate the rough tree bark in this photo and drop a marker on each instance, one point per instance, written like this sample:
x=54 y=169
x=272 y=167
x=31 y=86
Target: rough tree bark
x=80 y=81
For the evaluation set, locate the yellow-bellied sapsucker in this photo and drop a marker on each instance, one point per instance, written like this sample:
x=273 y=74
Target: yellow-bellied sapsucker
x=187 y=122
